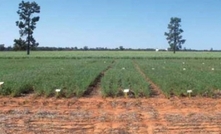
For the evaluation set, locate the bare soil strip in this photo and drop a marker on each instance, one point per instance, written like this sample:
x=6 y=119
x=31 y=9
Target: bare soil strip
x=156 y=91
x=109 y=116
x=94 y=89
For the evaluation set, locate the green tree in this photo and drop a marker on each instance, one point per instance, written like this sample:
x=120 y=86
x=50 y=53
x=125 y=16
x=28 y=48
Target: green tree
x=174 y=36
x=121 y=48
x=19 y=44
x=85 y=48
x=2 y=47
x=27 y=22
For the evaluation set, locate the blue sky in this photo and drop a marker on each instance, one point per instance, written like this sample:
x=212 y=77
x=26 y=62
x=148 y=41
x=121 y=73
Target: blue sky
x=114 y=23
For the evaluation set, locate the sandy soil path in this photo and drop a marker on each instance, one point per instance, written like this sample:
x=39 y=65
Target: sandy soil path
x=110 y=116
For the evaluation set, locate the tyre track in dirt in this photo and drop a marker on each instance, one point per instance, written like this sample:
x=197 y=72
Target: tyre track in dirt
x=156 y=91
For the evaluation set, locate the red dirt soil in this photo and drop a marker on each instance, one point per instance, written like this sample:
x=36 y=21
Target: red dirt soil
x=96 y=115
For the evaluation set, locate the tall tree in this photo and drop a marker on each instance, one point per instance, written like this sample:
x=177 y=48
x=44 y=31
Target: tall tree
x=27 y=22
x=19 y=44
x=174 y=36
x=121 y=48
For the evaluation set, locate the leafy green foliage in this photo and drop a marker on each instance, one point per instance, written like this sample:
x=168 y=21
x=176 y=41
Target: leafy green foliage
x=124 y=75
x=74 y=72
x=175 y=77
x=2 y=47
x=19 y=44
x=27 y=23
x=121 y=48
x=174 y=35
x=43 y=76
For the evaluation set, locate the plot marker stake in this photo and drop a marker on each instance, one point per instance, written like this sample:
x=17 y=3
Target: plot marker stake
x=57 y=92
x=189 y=92
x=125 y=92
x=1 y=83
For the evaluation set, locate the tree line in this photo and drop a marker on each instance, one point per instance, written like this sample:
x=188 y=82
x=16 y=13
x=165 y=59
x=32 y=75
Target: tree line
x=9 y=48
x=27 y=24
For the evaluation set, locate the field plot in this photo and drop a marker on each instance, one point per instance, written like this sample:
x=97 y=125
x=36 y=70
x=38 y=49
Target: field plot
x=175 y=77
x=81 y=73
x=123 y=75
x=111 y=54
x=43 y=76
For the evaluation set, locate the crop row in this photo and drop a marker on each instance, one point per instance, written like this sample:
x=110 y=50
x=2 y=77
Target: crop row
x=75 y=76
x=175 y=77
x=123 y=75
x=43 y=76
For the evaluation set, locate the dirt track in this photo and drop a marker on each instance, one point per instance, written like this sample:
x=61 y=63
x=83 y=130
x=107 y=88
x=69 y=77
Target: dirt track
x=112 y=116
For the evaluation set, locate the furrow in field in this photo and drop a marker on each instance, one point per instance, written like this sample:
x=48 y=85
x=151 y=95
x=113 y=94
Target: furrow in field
x=176 y=77
x=124 y=80
x=94 y=88
x=155 y=90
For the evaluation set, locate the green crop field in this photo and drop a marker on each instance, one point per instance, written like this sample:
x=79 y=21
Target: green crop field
x=112 y=54
x=43 y=76
x=123 y=75
x=203 y=77
x=75 y=72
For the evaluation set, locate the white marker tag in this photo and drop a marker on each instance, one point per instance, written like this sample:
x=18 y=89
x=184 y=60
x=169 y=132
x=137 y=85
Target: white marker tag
x=126 y=90
x=189 y=91
x=57 y=90
x=1 y=83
